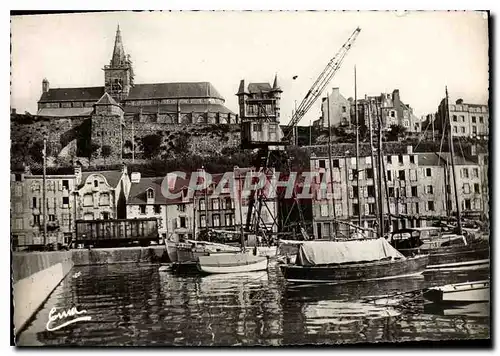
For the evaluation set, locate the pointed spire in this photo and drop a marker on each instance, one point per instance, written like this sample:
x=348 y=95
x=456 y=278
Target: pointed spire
x=241 y=89
x=119 y=57
x=276 y=86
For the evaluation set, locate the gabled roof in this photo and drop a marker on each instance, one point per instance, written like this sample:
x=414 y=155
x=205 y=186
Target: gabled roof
x=137 y=194
x=72 y=94
x=173 y=90
x=429 y=159
x=112 y=177
x=459 y=159
x=106 y=99
x=259 y=87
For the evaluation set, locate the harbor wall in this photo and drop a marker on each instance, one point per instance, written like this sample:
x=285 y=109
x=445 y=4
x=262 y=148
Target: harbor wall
x=34 y=277
x=36 y=274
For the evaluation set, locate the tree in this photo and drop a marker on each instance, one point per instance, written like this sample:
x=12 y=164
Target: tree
x=395 y=132
x=151 y=145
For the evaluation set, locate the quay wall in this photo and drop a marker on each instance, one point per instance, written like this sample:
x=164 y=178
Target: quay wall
x=36 y=274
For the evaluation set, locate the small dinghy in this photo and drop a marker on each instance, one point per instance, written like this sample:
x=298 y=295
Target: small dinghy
x=165 y=268
x=469 y=292
x=231 y=263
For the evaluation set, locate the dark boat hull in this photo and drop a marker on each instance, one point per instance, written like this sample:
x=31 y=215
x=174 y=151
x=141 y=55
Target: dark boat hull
x=354 y=272
x=452 y=254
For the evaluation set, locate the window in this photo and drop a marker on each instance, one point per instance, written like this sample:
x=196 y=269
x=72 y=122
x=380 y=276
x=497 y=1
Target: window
x=455 y=129
x=19 y=224
x=65 y=200
x=480 y=119
x=369 y=173
x=412 y=159
x=467 y=204
x=391 y=191
x=181 y=207
x=430 y=189
x=355 y=209
x=476 y=188
x=229 y=203
x=65 y=184
x=96 y=183
x=414 y=192
x=389 y=176
x=413 y=175
x=474 y=129
x=257 y=127
x=454 y=118
x=18 y=190
x=104 y=199
x=475 y=172
x=465 y=173
x=216 y=220
x=430 y=205
x=34 y=202
x=343 y=109
x=36 y=220
x=105 y=215
x=229 y=220
x=52 y=217
x=215 y=204
x=462 y=118
x=322 y=163
x=400 y=159
x=150 y=194
x=142 y=209
x=463 y=129
x=88 y=200
x=389 y=159
x=185 y=192
x=473 y=119
x=202 y=204
x=203 y=221
x=157 y=209
x=371 y=191
x=324 y=209
x=371 y=208
x=182 y=222
x=402 y=192
x=466 y=188
x=17 y=177
x=368 y=160
x=336 y=163
x=428 y=172
x=417 y=208
x=404 y=208
x=402 y=175
x=393 y=113
x=485 y=159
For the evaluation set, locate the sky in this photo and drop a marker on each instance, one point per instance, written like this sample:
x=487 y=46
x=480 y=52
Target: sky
x=417 y=52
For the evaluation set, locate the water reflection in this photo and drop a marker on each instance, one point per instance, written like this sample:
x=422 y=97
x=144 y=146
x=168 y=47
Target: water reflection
x=137 y=305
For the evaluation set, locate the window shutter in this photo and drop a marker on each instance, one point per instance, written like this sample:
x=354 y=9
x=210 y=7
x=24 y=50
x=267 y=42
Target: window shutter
x=366 y=209
x=31 y=202
x=350 y=175
x=361 y=175
x=32 y=222
x=60 y=185
x=365 y=192
x=351 y=191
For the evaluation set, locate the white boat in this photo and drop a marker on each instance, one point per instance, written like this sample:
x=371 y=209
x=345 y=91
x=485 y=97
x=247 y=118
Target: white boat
x=190 y=250
x=231 y=263
x=469 y=292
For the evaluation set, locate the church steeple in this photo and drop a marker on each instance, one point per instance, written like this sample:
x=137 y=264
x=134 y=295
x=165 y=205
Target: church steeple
x=119 y=57
x=118 y=75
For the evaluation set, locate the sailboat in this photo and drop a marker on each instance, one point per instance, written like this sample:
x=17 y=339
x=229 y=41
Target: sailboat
x=233 y=262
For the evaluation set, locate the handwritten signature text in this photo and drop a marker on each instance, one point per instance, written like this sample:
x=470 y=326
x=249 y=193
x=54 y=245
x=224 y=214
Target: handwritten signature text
x=53 y=317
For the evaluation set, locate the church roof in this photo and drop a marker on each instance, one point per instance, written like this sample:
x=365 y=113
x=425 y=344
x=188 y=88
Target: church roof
x=172 y=108
x=173 y=90
x=72 y=94
x=64 y=112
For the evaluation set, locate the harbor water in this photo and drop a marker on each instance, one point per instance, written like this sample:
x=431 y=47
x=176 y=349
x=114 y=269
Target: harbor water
x=136 y=305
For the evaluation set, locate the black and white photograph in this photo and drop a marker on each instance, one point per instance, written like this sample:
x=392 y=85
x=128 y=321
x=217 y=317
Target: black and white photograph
x=250 y=178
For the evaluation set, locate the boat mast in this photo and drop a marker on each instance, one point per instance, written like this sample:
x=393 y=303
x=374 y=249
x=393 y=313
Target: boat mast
x=450 y=142
x=375 y=174
x=330 y=163
x=44 y=181
x=357 y=145
x=240 y=199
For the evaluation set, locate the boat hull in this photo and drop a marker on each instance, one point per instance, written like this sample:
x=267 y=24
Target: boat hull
x=355 y=272
x=470 y=292
x=452 y=254
x=231 y=263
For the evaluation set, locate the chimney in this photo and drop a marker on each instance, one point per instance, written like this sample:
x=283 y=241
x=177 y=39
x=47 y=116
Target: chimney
x=45 y=85
x=459 y=101
x=13 y=111
x=409 y=149
x=124 y=168
x=135 y=177
x=77 y=169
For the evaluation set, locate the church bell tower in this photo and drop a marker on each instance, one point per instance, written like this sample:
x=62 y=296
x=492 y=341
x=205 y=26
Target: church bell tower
x=118 y=75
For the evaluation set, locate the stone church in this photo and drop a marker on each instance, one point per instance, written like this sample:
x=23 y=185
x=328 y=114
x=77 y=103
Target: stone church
x=120 y=105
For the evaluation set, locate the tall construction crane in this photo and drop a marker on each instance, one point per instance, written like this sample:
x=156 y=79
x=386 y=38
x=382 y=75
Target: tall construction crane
x=273 y=155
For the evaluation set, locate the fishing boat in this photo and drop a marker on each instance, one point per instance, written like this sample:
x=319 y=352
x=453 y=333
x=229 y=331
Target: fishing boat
x=231 y=263
x=442 y=247
x=349 y=261
x=468 y=292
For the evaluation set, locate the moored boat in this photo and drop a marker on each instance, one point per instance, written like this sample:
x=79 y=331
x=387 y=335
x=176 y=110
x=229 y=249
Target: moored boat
x=476 y=265
x=231 y=263
x=348 y=261
x=468 y=292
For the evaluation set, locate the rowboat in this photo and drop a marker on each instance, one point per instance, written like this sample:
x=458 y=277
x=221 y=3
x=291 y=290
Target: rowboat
x=231 y=263
x=349 y=261
x=475 y=265
x=468 y=292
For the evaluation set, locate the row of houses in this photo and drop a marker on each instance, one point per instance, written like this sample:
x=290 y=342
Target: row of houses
x=102 y=195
